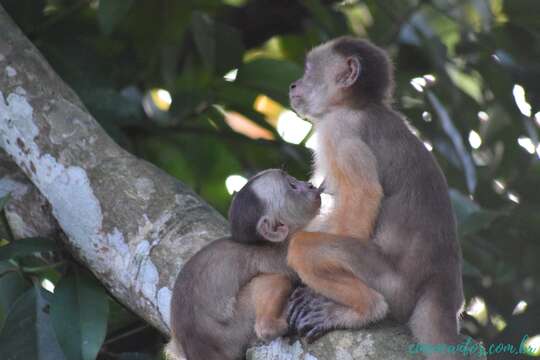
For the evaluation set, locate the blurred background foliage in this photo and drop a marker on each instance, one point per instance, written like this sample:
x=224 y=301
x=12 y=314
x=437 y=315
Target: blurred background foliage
x=199 y=88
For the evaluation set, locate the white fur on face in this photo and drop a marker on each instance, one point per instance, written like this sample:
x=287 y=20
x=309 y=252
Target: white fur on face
x=320 y=92
x=270 y=189
x=284 y=206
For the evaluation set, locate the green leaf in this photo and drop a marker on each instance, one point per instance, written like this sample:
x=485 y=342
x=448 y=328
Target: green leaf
x=4 y=200
x=12 y=285
x=455 y=136
x=27 y=246
x=108 y=105
x=81 y=299
x=470 y=216
x=229 y=48
x=215 y=41
x=111 y=12
x=27 y=333
x=333 y=22
x=524 y=12
x=477 y=221
x=203 y=34
x=463 y=205
x=270 y=76
x=470 y=270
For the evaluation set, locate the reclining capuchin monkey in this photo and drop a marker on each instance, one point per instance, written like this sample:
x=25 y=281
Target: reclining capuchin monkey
x=234 y=291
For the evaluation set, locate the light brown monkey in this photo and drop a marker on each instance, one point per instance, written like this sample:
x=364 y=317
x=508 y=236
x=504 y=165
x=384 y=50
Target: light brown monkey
x=234 y=290
x=392 y=228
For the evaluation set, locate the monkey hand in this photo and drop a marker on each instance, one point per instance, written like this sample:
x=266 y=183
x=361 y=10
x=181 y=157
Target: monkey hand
x=311 y=315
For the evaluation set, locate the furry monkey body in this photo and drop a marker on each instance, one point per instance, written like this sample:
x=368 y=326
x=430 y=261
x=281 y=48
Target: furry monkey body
x=382 y=176
x=234 y=291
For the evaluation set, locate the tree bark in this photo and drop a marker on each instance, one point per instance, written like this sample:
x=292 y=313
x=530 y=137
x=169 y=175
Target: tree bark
x=130 y=223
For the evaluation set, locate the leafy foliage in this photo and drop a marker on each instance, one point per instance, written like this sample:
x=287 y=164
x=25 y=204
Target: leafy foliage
x=83 y=301
x=475 y=102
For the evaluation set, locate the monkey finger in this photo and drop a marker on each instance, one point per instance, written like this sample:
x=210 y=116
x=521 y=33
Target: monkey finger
x=297 y=292
x=315 y=334
x=296 y=313
x=308 y=322
x=295 y=308
x=304 y=329
x=299 y=295
x=311 y=309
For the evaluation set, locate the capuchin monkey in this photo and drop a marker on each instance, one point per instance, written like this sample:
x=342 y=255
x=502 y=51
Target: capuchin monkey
x=392 y=231
x=234 y=291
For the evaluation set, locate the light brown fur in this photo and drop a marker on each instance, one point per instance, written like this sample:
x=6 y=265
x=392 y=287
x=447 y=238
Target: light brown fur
x=350 y=172
x=392 y=231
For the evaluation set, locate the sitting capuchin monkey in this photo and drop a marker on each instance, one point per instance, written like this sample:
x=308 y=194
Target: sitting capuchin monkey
x=392 y=231
x=233 y=292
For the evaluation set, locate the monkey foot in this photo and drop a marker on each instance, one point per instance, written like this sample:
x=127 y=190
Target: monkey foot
x=269 y=328
x=310 y=314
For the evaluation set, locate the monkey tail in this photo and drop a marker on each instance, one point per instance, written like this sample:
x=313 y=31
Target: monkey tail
x=435 y=320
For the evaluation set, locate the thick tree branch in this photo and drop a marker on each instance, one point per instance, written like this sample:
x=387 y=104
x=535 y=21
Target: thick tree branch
x=28 y=213
x=129 y=222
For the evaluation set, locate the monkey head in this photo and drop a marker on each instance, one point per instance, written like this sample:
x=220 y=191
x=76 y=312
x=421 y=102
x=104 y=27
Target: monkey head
x=272 y=206
x=343 y=72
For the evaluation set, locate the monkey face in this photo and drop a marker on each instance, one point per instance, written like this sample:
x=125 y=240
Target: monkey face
x=345 y=72
x=288 y=199
x=323 y=85
x=290 y=204
x=302 y=200
x=271 y=206
x=309 y=94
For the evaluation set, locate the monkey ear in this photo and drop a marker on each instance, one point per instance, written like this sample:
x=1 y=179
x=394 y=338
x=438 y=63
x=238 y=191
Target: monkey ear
x=353 y=69
x=272 y=230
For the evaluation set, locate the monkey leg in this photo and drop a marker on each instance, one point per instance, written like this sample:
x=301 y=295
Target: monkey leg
x=321 y=263
x=269 y=293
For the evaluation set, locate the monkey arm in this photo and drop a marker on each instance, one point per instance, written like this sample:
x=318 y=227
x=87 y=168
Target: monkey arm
x=359 y=192
x=363 y=260
x=269 y=294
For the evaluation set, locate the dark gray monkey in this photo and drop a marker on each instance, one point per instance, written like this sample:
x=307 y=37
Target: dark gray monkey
x=234 y=291
x=412 y=258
